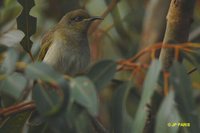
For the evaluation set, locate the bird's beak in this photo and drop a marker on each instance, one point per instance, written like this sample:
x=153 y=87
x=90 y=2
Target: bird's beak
x=95 y=18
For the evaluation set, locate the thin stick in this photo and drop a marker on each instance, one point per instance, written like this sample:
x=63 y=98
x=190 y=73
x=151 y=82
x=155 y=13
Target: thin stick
x=31 y=56
x=191 y=71
x=106 y=12
x=16 y=109
x=98 y=126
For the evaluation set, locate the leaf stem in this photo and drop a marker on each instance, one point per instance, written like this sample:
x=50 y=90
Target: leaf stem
x=31 y=56
x=6 y=112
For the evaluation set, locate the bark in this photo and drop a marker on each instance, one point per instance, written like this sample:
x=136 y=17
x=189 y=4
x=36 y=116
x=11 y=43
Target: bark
x=179 y=19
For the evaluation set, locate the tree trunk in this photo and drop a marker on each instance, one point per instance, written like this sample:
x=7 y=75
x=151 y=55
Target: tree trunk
x=179 y=19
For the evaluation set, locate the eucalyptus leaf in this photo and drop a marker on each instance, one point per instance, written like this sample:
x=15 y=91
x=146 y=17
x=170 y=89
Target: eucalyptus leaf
x=184 y=97
x=149 y=87
x=8 y=13
x=59 y=124
x=11 y=38
x=102 y=73
x=167 y=115
x=44 y=128
x=51 y=100
x=9 y=62
x=193 y=58
x=3 y=48
x=26 y=23
x=14 y=85
x=83 y=123
x=84 y=92
x=15 y=123
x=122 y=121
x=42 y=71
x=196 y=55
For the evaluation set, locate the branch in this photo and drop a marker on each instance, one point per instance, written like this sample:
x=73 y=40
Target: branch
x=179 y=19
x=106 y=12
x=12 y=110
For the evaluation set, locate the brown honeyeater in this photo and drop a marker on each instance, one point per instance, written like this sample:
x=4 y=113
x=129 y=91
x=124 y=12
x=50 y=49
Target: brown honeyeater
x=65 y=47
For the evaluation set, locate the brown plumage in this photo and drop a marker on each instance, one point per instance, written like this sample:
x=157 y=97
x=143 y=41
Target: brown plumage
x=65 y=47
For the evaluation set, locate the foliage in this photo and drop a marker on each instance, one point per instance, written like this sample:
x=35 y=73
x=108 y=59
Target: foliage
x=36 y=98
x=26 y=23
x=149 y=88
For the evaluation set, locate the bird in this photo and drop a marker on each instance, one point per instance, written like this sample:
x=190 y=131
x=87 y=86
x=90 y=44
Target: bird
x=65 y=47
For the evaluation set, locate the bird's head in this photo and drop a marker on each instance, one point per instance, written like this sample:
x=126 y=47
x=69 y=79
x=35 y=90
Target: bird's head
x=78 y=20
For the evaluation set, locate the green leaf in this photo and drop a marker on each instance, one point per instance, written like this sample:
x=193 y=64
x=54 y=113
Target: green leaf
x=167 y=115
x=196 y=55
x=122 y=121
x=26 y=23
x=193 y=58
x=9 y=12
x=15 y=123
x=11 y=38
x=51 y=100
x=102 y=72
x=44 y=128
x=149 y=87
x=14 y=85
x=83 y=123
x=83 y=92
x=3 y=48
x=42 y=71
x=183 y=96
x=11 y=58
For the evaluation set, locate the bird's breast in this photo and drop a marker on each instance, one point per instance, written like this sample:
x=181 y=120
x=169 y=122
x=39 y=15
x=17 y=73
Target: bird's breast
x=67 y=58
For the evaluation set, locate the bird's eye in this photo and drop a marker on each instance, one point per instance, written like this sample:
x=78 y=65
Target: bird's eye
x=78 y=19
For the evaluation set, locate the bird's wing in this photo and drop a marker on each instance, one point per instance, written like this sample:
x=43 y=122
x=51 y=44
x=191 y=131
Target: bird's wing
x=46 y=42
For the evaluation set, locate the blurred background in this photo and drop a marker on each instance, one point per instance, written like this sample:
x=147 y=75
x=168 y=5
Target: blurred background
x=118 y=36
x=128 y=27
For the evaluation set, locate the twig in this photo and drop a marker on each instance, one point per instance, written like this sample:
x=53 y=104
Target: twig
x=6 y=112
x=191 y=71
x=31 y=56
x=186 y=47
x=98 y=126
x=106 y=12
